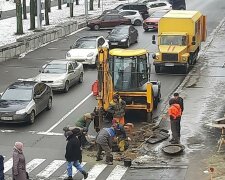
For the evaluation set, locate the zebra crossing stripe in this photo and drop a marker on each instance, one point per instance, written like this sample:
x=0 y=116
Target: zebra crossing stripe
x=74 y=171
x=95 y=171
x=33 y=164
x=8 y=165
x=51 y=168
x=117 y=173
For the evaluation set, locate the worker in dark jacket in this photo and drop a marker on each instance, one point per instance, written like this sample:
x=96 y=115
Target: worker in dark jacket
x=104 y=140
x=179 y=100
x=117 y=109
x=1 y=167
x=73 y=155
x=84 y=123
x=175 y=112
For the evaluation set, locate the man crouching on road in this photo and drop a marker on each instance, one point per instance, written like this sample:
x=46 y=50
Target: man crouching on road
x=73 y=155
x=104 y=141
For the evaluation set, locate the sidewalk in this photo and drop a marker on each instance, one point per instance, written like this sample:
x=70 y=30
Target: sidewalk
x=203 y=93
x=8 y=26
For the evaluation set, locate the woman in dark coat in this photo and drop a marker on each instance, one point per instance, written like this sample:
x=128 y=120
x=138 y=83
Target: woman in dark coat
x=73 y=155
x=19 y=164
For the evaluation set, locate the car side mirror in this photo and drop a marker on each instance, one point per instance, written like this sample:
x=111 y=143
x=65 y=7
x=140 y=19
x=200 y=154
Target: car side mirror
x=40 y=70
x=71 y=71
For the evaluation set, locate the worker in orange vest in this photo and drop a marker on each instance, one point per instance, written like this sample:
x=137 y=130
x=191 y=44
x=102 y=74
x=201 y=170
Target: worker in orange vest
x=175 y=111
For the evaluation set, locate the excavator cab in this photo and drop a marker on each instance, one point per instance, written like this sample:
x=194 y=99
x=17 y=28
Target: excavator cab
x=129 y=73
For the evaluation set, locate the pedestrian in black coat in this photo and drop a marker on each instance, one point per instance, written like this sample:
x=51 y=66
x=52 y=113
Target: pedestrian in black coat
x=73 y=155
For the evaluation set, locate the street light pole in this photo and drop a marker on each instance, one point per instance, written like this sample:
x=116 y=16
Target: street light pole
x=86 y=9
x=102 y=6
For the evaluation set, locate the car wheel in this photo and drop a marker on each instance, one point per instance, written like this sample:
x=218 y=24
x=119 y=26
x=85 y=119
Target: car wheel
x=137 y=22
x=31 y=117
x=81 y=78
x=66 y=88
x=96 y=27
x=49 y=105
x=128 y=43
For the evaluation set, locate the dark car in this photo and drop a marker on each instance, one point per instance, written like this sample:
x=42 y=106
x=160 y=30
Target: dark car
x=123 y=35
x=108 y=20
x=151 y=23
x=141 y=7
x=178 y=4
x=23 y=100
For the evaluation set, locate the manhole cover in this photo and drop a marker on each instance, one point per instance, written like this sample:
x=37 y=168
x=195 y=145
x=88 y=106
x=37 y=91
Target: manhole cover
x=173 y=148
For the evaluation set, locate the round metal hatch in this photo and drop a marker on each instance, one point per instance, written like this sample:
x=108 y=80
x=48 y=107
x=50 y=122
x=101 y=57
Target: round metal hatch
x=173 y=149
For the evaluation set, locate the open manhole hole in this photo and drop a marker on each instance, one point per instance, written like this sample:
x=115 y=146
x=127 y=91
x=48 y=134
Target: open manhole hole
x=173 y=149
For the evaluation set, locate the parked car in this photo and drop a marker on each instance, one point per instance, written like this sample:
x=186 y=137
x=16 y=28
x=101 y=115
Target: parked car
x=123 y=35
x=158 y=5
x=142 y=8
x=110 y=11
x=146 y=1
x=60 y=75
x=151 y=23
x=133 y=15
x=85 y=49
x=107 y=20
x=23 y=100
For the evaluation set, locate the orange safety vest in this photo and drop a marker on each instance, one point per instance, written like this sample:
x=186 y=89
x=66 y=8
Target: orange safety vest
x=175 y=111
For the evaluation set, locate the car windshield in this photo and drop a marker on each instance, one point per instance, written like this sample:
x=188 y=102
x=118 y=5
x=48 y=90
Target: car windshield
x=85 y=44
x=55 y=68
x=120 y=31
x=17 y=94
x=173 y=40
x=158 y=14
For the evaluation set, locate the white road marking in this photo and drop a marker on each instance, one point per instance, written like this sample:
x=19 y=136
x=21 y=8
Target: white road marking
x=117 y=173
x=8 y=165
x=51 y=168
x=73 y=173
x=33 y=164
x=67 y=114
x=95 y=171
x=50 y=133
x=7 y=131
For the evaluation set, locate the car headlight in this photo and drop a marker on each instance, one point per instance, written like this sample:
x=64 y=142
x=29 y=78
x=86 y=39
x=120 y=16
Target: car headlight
x=124 y=40
x=58 y=81
x=22 y=111
x=68 y=54
x=90 y=54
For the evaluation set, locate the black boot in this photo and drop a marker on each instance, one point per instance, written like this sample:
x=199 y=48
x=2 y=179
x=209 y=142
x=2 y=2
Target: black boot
x=85 y=174
x=69 y=178
x=99 y=158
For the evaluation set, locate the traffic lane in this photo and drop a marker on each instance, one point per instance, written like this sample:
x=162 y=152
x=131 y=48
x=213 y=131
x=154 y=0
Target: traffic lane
x=63 y=103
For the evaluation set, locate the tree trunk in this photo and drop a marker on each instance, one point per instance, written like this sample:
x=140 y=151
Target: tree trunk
x=71 y=8
x=32 y=15
x=46 y=12
x=99 y=3
x=35 y=7
x=59 y=4
x=77 y=2
x=24 y=9
x=91 y=5
x=19 y=17
x=49 y=5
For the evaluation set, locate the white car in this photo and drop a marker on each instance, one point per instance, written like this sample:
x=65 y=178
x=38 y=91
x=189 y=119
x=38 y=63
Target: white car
x=60 y=75
x=85 y=49
x=133 y=15
x=158 y=5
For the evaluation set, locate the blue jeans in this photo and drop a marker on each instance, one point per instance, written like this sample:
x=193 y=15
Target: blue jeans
x=76 y=164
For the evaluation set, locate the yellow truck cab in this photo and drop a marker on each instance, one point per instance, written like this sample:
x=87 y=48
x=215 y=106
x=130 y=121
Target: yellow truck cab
x=180 y=34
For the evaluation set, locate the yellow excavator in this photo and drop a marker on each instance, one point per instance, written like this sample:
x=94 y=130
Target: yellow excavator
x=127 y=73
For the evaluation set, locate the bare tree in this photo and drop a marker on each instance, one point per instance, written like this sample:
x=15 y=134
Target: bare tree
x=99 y=3
x=46 y=12
x=19 y=17
x=91 y=5
x=59 y=4
x=71 y=8
x=24 y=9
x=77 y=2
x=32 y=14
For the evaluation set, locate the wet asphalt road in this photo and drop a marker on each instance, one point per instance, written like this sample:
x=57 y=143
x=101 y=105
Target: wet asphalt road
x=52 y=147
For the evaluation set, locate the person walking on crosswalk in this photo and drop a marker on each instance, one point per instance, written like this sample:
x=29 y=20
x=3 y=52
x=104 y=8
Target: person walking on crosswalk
x=73 y=155
x=104 y=141
x=19 y=164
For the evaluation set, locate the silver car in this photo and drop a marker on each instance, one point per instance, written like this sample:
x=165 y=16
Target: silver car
x=60 y=75
x=133 y=15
